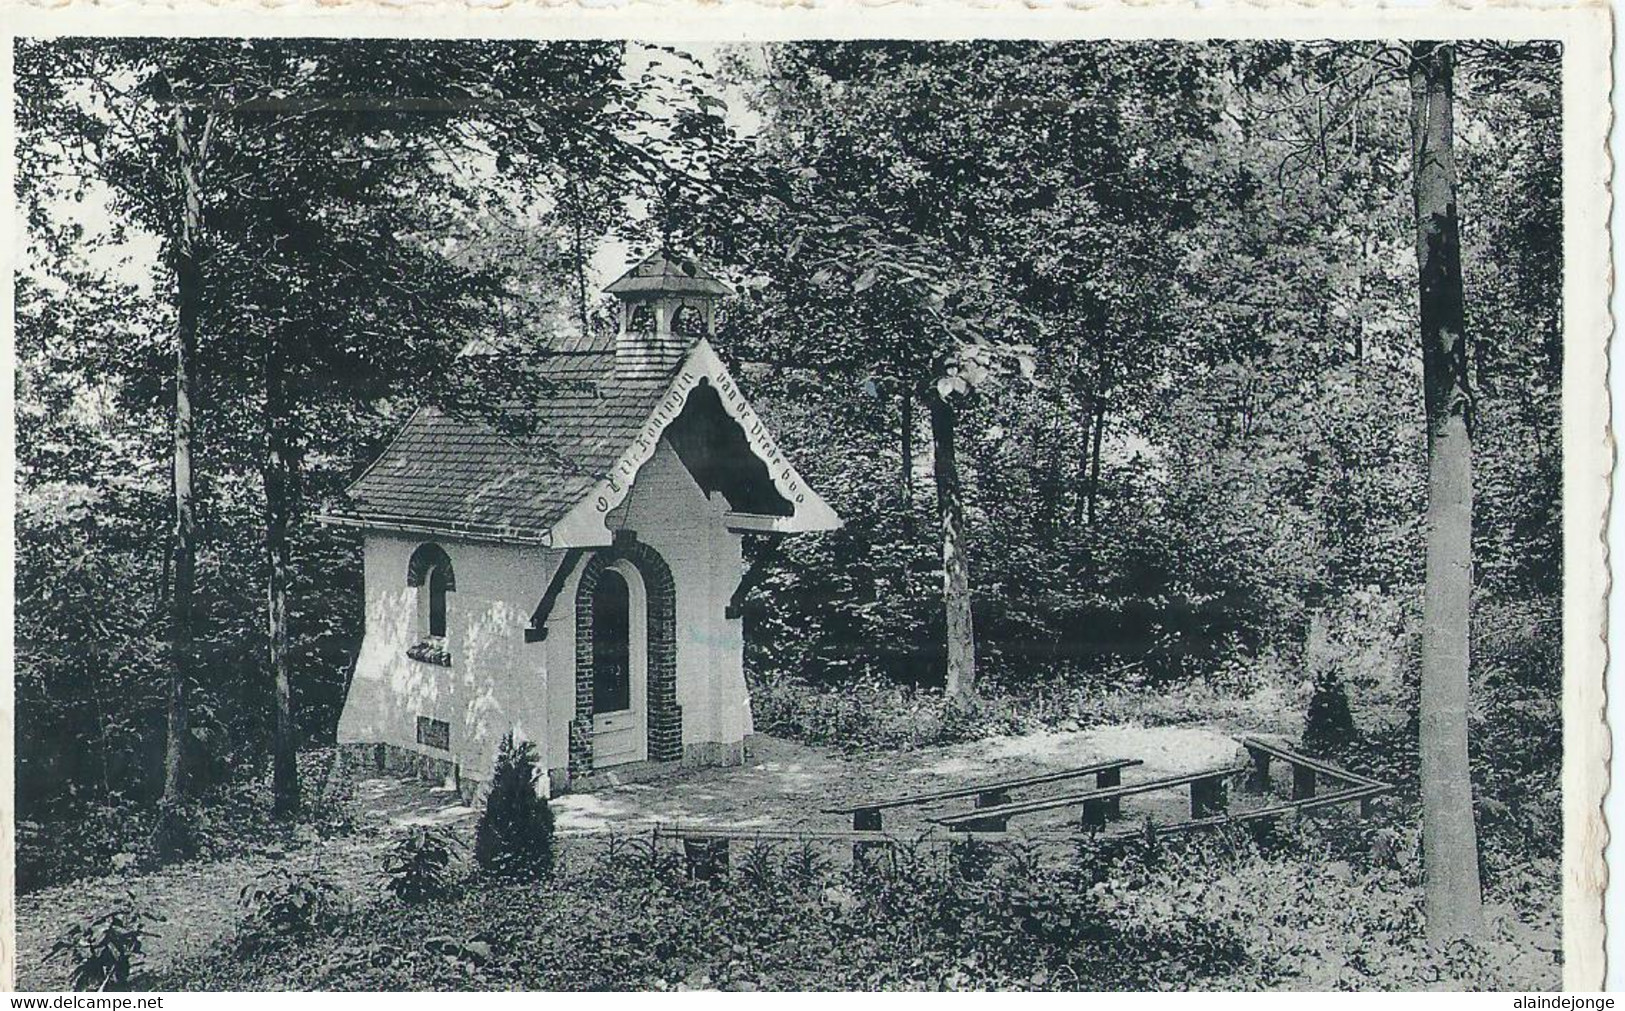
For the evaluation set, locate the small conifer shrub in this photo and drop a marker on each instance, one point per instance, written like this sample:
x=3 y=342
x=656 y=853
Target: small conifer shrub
x=1328 y=728
x=514 y=838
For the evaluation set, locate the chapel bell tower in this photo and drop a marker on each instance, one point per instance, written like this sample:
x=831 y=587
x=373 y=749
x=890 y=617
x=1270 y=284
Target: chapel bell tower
x=667 y=303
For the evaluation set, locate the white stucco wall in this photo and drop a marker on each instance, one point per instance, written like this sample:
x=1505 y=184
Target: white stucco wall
x=496 y=680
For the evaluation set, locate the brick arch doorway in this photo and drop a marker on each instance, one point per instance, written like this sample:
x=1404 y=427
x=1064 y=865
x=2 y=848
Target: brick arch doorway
x=625 y=656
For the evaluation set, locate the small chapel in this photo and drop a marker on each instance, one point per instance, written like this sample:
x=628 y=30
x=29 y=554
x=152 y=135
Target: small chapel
x=576 y=585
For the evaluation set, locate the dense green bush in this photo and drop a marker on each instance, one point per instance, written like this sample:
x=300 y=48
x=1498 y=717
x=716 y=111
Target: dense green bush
x=786 y=917
x=329 y=800
x=872 y=714
x=92 y=664
x=869 y=713
x=105 y=839
x=1516 y=734
x=1517 y=744
x=514 y=838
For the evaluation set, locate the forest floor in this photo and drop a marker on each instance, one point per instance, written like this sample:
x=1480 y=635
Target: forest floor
x=782 y=786
x=197 y=899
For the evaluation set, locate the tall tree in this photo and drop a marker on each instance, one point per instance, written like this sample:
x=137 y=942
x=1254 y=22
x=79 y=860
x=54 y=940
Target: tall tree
x=190 y=153
x=280 y=495
x=961 y=632
x=1450 y=846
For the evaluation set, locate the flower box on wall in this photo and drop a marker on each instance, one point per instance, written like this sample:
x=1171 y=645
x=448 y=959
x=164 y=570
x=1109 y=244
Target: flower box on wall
x=431 y=650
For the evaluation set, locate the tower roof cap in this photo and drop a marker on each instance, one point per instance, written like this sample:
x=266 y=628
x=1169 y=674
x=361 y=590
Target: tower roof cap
x=661 y=274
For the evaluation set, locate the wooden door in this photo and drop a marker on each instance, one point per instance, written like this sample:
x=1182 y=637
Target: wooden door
x=619 y=681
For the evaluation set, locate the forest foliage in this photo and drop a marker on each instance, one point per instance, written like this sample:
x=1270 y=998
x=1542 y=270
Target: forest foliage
x=1169 y=288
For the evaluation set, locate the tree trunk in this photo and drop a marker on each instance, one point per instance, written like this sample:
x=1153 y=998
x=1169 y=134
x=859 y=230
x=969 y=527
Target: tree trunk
x=279 y=495
x=907 y=489
x=1450 y=845
x=188 y=295
x=1080 y=504
x=1094 y=458
x=961 y=644
x=1357 y=316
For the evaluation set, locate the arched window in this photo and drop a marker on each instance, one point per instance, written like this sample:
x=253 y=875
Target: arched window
x=430 y=571
x=687 y=321
x=434 y=604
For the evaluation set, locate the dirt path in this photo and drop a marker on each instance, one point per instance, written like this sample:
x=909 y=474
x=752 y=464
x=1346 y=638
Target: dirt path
x=782 y=786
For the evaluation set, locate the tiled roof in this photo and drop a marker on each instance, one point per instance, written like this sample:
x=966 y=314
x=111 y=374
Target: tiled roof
x=463 y=473
x=658 y=273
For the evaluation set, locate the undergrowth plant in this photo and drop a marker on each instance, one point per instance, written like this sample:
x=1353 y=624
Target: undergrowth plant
x=1312 y=907
x=421 y=865
x=105 y=953
x=281 y=906
x=1328 y=727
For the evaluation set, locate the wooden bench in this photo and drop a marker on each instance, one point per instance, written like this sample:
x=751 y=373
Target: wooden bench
x=1362 y=794
x=1208 y=796
x=866 y=817
x=1305 y=769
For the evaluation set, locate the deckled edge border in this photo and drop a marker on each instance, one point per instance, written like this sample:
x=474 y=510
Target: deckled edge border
x=1589 y=450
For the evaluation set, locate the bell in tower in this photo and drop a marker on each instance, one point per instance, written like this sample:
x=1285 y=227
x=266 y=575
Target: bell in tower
x=667 y=303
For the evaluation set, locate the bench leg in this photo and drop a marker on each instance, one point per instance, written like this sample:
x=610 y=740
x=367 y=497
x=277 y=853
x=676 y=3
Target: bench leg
x=1303 y=782
x=706 y=858
x=1260 y=780
x=1105 y=779
x=989 y=798
x=1263 y=829
x=992 y=798
x=867 y=855
x=1095 y=814
x=1208 y=797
